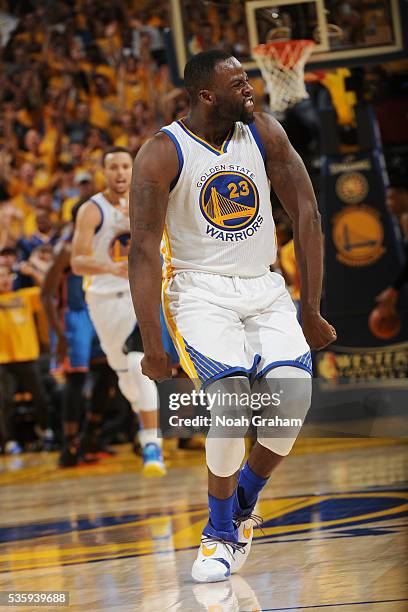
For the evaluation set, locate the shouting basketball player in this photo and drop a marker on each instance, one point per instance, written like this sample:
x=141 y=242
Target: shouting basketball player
x=99 y=252
x=203 y=182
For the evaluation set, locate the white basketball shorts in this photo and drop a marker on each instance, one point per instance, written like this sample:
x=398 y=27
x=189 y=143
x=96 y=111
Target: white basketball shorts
x=225 y=325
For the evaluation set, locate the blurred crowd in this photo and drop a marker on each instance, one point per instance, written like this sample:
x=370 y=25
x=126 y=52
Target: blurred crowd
x=221 y=26
x=76 y=78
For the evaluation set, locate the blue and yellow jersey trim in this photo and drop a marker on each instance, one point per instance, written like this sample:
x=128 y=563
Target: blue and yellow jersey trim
x=178 y=340
x=198 y=367
x=303 y=362
x=258 y=139
x=224 y=147
x=179 y=155
x=165 y=251
x=86 y=283
x=206 y=368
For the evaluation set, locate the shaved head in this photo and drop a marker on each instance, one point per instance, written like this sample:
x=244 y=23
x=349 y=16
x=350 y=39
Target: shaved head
x=199 y=71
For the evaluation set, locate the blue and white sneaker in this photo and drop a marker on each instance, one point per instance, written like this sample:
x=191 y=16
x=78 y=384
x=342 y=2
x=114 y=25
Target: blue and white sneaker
x=216 y=556
x=245 y=521
x=12 y=448
x=153 y=464
x=217 y=597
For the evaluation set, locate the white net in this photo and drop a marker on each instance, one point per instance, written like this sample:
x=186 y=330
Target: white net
x=282 y=64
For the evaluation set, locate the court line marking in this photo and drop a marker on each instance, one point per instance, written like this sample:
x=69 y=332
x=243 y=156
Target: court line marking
x=50 y=564
x=350 y=603
x=174 y=510
x=300 y=528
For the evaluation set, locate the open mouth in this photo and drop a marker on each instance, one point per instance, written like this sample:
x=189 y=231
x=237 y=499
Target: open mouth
x=249 y=104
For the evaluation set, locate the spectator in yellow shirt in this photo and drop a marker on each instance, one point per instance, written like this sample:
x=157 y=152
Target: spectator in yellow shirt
x=38 y=152
x=79 y=126
x=23 y=182
x=19 y=348
x=132 y=83
x=95 y=146
x=85 y=184
x=39 y=217
x=103 y=103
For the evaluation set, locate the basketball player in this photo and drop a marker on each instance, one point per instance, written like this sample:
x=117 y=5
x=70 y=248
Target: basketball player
x=203 y=182
x=99 y=252
x=77 y=348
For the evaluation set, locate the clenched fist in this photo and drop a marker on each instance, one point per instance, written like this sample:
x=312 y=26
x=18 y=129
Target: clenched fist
x=318 y=332
x=157 y=366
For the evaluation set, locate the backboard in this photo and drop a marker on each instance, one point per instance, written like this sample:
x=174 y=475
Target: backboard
x=346 y=32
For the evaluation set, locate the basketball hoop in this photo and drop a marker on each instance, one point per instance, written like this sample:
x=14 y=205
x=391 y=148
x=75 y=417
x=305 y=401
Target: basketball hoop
x=282 y=64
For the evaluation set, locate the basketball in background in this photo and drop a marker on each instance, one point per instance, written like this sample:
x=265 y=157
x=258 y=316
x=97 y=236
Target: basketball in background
x=384 y=323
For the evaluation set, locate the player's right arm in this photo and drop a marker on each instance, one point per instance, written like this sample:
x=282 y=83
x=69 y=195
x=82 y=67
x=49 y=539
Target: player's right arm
x=154 y=168
x=83 y=261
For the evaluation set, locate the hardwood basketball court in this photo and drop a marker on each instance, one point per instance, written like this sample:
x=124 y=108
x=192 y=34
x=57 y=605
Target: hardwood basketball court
x=334 y=535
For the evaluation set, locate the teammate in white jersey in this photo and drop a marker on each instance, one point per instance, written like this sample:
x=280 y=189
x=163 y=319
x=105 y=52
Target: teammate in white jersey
x=204 y=183
x=99 y=252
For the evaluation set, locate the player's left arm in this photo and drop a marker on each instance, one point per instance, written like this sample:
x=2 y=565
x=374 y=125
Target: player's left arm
x=292 y=185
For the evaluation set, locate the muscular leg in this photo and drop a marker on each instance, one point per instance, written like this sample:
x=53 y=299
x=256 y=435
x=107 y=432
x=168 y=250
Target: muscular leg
x=71 y=405
x=142 y=394
x=112 y=318
x=71 y=414
x=103 y=379
x=224 y=455
x=145 y=402
x=269 y=450
x=7 y=389
x=263 y=461
x=225 y=450
x=29 y=376
x=78 y=334
x=221 y=487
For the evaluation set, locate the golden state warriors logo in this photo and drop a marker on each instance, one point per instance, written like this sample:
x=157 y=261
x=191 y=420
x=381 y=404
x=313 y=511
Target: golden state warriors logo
x=358 y=236
x=119 y=247
x=229 y=202
x=352 y=187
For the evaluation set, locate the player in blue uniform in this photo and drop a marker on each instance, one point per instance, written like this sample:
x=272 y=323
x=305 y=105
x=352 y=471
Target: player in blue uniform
x=76 y=347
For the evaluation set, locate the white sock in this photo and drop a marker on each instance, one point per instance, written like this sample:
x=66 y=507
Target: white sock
x=146 y=436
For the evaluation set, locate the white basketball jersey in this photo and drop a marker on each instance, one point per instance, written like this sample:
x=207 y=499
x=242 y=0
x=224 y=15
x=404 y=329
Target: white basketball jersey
x=110 y=243
x=219 y=216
